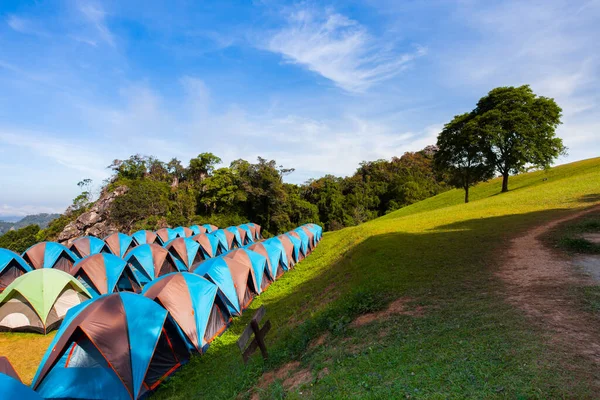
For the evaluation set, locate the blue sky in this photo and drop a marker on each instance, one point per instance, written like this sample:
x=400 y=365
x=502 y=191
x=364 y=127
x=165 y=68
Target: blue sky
x=318 y=86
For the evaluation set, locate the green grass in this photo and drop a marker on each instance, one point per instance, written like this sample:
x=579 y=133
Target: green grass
x=442 y=254
x=569 y=236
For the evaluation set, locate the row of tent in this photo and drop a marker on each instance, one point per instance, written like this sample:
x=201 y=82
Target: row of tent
x=123 y=345
x=23 y=308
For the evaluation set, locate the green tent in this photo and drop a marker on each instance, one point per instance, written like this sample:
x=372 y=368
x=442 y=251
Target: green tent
x=38 y=300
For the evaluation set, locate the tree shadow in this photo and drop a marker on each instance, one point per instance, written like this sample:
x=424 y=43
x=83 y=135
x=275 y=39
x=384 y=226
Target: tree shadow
x=448 y=265
x=590 y=198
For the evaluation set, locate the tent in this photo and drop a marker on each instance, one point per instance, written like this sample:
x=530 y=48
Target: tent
x=89 y=245
x=240 y=235
x=256 y=229
x=210 y=228
x=11 y=388
x=149 y=261
x=227 y=239
x=195 y=305
x=183 y=232
x=119 y=243
x=186 y=250
x=305 y=240
x=145 y=237
x=299 y=246
x=291 y=251
x=118 y=346
x=312 y=240
x=249 y=233
x=12 y=266
x=38 y=300
x=197 y=229
x=210 y=244
x=6 y=368
x=106 y=273
x=165 y=234
x=257 y=262
x=275 y=256
x=234 y=279
x=316 y=230
x=50 y=255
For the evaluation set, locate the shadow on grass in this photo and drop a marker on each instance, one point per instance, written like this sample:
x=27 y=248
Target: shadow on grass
x=447 y=268
x=590 y=198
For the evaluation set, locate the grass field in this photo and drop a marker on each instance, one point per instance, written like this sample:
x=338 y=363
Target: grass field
x=440 y=255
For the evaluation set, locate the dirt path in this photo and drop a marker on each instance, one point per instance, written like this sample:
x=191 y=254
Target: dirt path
x=539 y=281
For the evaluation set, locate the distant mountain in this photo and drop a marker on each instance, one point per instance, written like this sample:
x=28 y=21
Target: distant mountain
x=42 y=220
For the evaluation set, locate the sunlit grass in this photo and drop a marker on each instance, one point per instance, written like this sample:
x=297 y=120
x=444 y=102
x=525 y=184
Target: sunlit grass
x=25 y=351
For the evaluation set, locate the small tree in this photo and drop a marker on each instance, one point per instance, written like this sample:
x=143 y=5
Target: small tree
x=461 y=155
x=519 y=130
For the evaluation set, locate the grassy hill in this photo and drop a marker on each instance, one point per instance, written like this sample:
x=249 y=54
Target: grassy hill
x=439 y=255
x=458 y=337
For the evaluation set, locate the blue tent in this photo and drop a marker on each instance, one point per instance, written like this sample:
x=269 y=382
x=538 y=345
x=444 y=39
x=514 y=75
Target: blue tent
x=149 y=261
x=316 y=230
x=306 y=243
x=12 y=266
x=10 y=388
x=228 y=243
x=119 y=243
x=50 y=255
x=237 y=233
x=195 y=303
x=211 y=246
x=197 y=229
x=235 y=280
x=275 y=255
x=210 y=228
x=186 y=250
x=182 y=231
x=106 y=273
x=288 y=259
x=88 y=245
x=117 y=346
x=299 y=247
x=257 y=262
x=145 y=237
x=249 y=233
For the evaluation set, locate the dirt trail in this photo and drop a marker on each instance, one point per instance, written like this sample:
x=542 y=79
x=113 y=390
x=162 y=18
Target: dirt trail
x=538 y=281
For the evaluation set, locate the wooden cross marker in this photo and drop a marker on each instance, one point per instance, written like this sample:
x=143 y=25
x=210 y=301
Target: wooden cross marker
x=259 y=336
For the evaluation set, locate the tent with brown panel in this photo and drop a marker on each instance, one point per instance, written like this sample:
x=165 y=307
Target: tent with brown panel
x=165 y=234
x=119 y=346
x=119 y=243
x=50 y=255
x=149 y=261
x=145 y=237
x=12 y=266
x=210 y=244
x=257 y=262
x=275 y=256
x=88 y=245
x=227 y=239
x=195 y=304
x=106 y=273
x=186 y=250
x=197 y=229
x=291 y=251
x=236 y=280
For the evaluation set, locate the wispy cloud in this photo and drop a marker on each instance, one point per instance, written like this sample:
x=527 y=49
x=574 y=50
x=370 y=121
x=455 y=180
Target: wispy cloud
x=338 y=48
x=24 y=25
x=7 y=210
x=96 y=15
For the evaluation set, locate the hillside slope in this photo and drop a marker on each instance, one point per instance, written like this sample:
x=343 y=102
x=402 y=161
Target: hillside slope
x=455 y=336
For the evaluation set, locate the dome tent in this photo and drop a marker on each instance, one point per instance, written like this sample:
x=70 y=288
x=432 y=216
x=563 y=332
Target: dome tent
x=165 y=234
x=88 y=245
x=275 y=257
x=145 y=237
x=118 y=346
x=195 y=305
x=182 y=232
x=234 y=279
x=257 y=262
x=197 y=229
x=227 y=239
x=38 y=300
x=290 y=249
x=119 y=243
x=306 y=246
x=12 y=266
x=210 y=244
x=149 y=261
x=210 y=228
x=186 y=250
x=50 y=255
x=240 y=235
x=299 y=246
x=256 y=230
x=106 y=273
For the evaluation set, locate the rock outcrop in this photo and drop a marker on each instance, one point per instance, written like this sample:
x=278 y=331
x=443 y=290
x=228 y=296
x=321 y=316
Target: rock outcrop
x=95 y=221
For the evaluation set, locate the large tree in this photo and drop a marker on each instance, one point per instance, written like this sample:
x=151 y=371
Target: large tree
x=461 y=153
x=519 y=129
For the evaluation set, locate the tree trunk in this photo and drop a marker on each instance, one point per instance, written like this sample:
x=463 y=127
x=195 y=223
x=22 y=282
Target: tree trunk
x=504 y=182
x=466 y=194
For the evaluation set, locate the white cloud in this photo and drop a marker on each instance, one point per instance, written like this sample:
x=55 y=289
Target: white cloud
x=7 y=210
x=338 y=48
x=96 y=15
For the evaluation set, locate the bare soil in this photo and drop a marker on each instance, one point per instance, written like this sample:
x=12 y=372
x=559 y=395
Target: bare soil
x=539 y=281
x=397 y=307
x=291 y=374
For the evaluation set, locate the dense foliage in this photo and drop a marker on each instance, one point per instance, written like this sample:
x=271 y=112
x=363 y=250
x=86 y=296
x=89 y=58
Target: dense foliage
x=168 y=194
x=21 y=239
